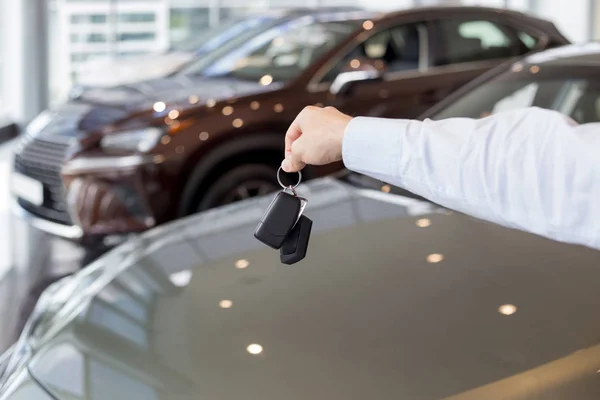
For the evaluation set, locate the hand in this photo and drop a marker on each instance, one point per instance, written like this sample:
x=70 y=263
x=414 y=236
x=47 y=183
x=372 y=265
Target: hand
x=315 y=137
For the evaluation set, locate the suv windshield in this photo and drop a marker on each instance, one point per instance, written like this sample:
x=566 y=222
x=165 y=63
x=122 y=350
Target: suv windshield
x=212 y=39
x=578 y=97
x=277 y=54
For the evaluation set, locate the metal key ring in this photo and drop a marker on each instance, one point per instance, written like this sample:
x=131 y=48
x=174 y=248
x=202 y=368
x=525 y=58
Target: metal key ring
x=287 y=187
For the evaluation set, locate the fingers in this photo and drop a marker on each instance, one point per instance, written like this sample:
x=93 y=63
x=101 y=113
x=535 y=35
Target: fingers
x=293 y=133
x=293 y=159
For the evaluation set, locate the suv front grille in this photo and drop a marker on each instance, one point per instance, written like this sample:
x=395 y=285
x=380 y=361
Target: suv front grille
x=42 y=160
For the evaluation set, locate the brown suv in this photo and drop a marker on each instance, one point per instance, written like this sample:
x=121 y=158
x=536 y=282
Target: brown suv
x=213 y=133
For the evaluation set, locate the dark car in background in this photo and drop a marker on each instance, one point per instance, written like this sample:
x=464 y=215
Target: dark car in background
x=212 y=134
x=565 y=79
x=396 y=299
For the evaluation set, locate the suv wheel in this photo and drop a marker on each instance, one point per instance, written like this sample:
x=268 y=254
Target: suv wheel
x=241 y=183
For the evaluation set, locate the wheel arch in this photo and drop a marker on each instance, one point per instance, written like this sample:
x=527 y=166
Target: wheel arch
x=267 y=147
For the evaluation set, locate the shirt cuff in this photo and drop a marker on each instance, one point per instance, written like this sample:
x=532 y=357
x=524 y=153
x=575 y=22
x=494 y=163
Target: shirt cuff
x=374 y=145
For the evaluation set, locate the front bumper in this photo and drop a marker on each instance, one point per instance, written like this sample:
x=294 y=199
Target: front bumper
x=114 y=195
x=71 y=232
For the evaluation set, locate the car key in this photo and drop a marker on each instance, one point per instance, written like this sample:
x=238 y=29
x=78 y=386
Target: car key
x=281 y=216
x=278 y=220
x=296 y=242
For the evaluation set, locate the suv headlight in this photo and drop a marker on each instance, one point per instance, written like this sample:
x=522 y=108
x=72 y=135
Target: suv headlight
x=141 y=140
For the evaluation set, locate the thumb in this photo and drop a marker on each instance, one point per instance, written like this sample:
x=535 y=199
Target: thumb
x=293 y=159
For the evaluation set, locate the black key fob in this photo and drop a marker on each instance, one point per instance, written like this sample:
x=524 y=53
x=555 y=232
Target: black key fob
x=296 y=243
x=278 y=220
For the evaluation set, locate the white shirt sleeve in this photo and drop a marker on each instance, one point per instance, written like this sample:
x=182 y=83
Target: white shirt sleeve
x=530 y=169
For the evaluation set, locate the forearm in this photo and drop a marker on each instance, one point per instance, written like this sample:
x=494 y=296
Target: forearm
x=528 y=169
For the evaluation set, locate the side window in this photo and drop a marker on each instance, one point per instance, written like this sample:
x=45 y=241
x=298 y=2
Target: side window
x=580 y=100
x=476 y=40
x=528 y=40
x=394 y=49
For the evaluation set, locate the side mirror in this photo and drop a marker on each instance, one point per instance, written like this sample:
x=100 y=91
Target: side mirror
x=345 y=81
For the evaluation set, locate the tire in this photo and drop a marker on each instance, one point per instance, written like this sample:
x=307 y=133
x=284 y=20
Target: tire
x=242 y=182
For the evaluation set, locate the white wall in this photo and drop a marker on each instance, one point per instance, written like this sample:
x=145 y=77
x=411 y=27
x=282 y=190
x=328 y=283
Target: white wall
x=570 y=16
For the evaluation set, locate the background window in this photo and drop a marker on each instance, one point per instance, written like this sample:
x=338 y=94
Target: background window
x=186 y=23
x=89 y=19
x=141 y=17
x=123 y=37
x=88 y=38
x=397 y=48
x=466 y=41
x=79 y=57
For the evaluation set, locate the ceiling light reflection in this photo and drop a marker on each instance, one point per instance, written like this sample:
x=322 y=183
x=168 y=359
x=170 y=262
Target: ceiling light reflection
x=386 y=188
x=278 y=107
x=241 y=264
x=518 y=67
x=203 y=136
x=507 y=309
x=423 y=222
x=193 y=99
x=181 y=279
x=254 y=349
x=435 y=258
x=255 y=105
x=355 y=63
x=225 y=303
x=368 y=25
x=159 y=106
x=173 y=114
x=266 y=80
x=237 y=123
x=227 y=110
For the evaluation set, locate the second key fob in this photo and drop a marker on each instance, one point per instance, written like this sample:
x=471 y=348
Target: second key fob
x=296 y=243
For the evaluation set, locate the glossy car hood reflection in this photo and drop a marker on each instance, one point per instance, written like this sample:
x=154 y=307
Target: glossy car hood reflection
x=395 y=300
x=176 y=89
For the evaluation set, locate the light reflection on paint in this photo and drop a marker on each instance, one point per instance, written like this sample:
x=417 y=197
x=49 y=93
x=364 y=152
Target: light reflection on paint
x=159 y=106
x=423 y=222
x=254 y=349
x=507 y=309
x=435 y=258
x=266 y=80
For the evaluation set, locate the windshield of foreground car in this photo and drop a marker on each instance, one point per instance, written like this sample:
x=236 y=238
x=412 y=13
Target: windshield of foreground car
x=577 y=97
x=278 y=54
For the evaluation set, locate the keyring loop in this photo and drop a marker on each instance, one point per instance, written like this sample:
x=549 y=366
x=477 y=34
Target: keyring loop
x=288 y=187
